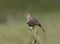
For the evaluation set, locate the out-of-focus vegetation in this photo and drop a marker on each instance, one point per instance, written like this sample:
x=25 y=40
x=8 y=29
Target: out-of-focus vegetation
x=13 y=28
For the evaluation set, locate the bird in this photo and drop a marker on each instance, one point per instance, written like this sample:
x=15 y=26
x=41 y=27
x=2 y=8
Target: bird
x=32 y=21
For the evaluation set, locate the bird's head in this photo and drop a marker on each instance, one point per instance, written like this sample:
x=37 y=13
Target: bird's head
x=26 y=13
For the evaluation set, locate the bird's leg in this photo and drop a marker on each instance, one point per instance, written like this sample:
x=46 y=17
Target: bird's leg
x=31 y=29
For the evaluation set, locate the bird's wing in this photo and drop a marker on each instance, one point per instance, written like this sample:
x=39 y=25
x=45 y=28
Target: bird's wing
x=34 y=20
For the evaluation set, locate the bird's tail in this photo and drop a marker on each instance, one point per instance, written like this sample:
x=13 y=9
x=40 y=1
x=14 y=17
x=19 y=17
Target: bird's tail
x=41 y=27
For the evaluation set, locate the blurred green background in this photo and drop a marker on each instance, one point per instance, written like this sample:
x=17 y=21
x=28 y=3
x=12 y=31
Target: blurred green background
x=13 y=27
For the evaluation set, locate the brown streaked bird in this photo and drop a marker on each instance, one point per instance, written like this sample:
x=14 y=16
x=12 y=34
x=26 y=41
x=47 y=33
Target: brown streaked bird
x=32 y=21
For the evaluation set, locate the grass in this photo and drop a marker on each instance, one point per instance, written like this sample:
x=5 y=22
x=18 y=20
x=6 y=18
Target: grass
x=18 y=33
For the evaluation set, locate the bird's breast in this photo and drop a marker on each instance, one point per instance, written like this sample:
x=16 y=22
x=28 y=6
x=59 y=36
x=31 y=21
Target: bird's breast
x=29 y=18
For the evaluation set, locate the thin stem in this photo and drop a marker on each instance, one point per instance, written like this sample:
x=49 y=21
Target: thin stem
x=34 y=36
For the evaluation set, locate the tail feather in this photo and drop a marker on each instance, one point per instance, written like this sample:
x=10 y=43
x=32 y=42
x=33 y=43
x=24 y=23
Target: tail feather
x=41 y=27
